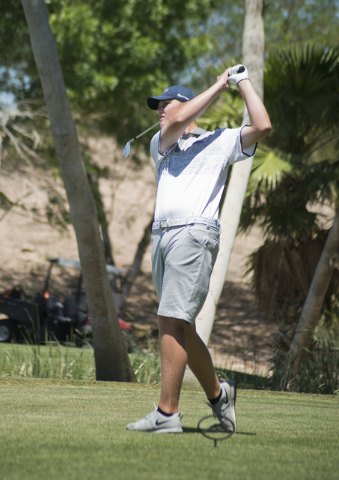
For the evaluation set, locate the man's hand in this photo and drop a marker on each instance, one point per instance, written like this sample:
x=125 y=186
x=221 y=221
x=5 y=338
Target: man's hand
x=223 y=80
x=237 y=73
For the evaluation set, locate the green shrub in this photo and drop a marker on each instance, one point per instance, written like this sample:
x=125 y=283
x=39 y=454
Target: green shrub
x=320 y=373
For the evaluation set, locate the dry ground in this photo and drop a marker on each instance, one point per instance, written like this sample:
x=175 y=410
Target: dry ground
x=241 y=336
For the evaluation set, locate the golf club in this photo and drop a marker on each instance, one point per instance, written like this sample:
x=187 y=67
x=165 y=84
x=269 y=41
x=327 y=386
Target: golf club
x=127 y=148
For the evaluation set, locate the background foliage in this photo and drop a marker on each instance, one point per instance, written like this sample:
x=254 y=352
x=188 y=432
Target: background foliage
x=113 y=54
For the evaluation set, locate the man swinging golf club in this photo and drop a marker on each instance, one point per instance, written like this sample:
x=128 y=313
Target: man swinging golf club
x=191 y=166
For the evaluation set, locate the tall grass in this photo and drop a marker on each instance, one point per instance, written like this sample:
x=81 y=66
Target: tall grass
x=52 y=361
x=320 y=374
x=49 y=361
x=60 y=362
x=146 y=365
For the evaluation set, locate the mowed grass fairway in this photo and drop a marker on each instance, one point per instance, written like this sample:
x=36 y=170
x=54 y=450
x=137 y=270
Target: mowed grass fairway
x=52 y=429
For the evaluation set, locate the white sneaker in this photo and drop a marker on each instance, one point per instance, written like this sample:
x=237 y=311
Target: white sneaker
x=225 y=408
x=158 y=423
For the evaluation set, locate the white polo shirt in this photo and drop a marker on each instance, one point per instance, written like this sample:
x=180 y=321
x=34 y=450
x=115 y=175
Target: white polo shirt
x=191 y=175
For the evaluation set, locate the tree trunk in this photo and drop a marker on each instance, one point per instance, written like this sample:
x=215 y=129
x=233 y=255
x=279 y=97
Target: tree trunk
x=94 y=186
x=134 y=270
x=311 y=312
x=111 y=358
x=253 y=59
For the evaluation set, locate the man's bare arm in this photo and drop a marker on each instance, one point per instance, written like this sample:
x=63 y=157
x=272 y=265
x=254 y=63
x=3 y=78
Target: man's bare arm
x=190 y=111
x=260 y=123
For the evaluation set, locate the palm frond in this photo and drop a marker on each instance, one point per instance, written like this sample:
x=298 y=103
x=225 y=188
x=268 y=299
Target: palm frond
x=301 y=94
x=320 y=182
x=227 y=113
x=267 y=170
x=287 y=221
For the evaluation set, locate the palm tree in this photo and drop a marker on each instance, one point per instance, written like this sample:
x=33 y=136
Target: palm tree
x=293 y=265
x=301 y=168
x=303 y=104
x=110 y=352
x=294 y=167
x=253 y=58
x=311 y=313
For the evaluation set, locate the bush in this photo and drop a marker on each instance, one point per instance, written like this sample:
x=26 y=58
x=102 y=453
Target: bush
x=320 y=373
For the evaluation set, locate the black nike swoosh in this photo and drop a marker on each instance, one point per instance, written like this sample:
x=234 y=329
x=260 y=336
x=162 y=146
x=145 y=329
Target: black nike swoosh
x=160 y=423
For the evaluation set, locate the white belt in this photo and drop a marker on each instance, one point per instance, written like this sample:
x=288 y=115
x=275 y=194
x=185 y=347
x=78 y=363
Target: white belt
x=180 y=222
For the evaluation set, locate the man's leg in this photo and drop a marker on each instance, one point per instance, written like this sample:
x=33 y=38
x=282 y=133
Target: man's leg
x=173 y=362
x=222 y=396
x=200 y=362
x=166 y=419
x=177 y=337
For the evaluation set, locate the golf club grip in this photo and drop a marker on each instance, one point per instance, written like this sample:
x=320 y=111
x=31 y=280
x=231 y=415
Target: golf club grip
x=236 y=70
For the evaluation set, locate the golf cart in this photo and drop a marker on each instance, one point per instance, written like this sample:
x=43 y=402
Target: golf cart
x=43 y=317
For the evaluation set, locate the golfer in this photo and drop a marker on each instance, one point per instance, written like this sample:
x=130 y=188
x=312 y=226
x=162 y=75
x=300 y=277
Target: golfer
x=191 y=166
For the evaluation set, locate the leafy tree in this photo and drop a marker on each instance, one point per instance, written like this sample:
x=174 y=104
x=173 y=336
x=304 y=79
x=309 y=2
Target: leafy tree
x=294 y=271
x=112 y=53
x=122 y=50
x=292 y=21
x=285 y=22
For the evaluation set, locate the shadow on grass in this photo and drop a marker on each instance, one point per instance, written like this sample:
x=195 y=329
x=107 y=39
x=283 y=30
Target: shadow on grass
x=196 y=430
x=245 y=380
x=190 y=430
x=245 y=433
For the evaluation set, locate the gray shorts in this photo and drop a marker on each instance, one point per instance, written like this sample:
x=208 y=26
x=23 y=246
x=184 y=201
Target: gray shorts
x=182 y=262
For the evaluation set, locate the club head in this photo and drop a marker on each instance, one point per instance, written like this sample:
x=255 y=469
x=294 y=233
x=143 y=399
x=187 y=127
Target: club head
x=127 y=149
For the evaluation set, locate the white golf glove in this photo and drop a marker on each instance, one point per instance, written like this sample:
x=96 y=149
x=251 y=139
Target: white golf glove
x=237 y=73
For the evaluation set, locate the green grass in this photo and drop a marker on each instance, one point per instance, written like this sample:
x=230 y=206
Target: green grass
x=54 y=429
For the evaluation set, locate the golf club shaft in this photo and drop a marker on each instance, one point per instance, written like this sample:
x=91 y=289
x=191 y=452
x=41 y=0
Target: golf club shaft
x=143 y=133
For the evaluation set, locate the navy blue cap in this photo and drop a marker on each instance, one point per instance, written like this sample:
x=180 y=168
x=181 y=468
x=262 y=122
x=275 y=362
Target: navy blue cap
x=184 y=94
